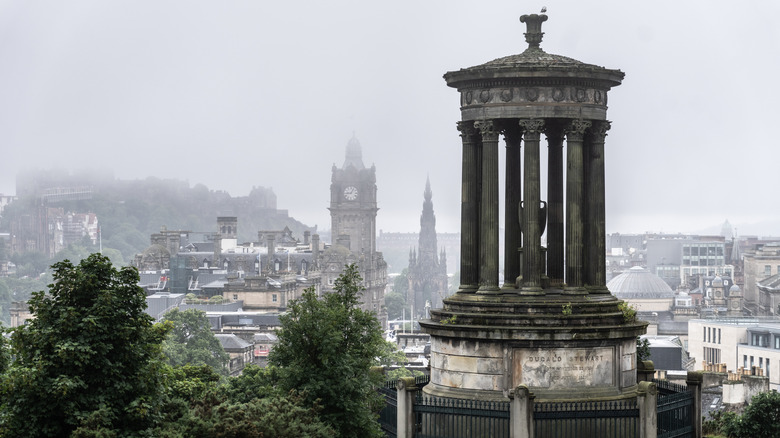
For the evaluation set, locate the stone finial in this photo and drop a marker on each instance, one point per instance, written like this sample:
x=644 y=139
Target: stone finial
x=533 y=34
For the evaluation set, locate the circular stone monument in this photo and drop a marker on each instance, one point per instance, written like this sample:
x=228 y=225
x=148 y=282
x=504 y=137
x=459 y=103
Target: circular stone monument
x=553 y=324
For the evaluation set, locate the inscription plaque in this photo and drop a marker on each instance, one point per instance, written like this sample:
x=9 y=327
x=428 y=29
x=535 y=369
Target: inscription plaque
x=561 y=368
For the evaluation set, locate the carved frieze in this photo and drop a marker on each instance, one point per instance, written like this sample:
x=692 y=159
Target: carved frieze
x=506 y=95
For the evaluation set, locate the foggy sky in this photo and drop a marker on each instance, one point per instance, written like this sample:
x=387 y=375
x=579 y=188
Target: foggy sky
x=258 y=93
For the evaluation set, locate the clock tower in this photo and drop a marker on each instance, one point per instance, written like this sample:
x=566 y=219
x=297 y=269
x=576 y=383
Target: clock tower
x=353 y=202
x=353 y=231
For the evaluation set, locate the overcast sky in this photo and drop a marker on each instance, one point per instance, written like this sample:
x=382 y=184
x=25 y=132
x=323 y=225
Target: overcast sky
x=259 y=93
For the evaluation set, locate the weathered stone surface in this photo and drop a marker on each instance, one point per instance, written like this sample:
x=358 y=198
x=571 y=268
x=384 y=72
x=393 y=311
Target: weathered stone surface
x=561 y=368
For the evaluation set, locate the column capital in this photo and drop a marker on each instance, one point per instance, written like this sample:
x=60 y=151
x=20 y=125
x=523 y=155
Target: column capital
x=599 y=130
x=577 y=128
x=554 y=129
x=532 y=126
x=466 y=128
x=488 y=128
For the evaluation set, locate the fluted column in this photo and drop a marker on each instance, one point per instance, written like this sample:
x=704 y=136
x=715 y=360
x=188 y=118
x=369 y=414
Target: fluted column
x=531 y=226
x=512 y=196
x=488 y=208
x=596 y=275
x=469 y=210
x=574 y=203
x=555 y=230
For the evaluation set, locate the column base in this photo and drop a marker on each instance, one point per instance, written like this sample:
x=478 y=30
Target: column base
x=598 y=290
x=574 y=290
x=487 y=290
x=467 y=289
x=531 y=290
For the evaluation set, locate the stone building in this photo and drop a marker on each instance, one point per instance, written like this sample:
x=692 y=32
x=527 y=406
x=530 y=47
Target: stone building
x=760 y=264
x=427 y=273
x=353 y=209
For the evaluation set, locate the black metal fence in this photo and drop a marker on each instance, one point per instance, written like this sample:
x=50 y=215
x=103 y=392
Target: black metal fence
x=440 y=417
x=388 y=416
x=618 y=418
x=675 y=410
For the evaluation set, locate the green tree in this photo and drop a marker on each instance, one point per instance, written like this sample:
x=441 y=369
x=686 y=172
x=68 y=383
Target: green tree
x=326 y=349
x=395 y=304
x=191 y=341
x=90 y=360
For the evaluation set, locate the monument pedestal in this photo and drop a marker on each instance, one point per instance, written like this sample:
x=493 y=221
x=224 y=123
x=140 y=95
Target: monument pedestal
x=562 y=347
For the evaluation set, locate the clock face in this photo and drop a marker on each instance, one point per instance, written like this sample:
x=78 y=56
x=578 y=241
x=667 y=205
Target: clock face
x=350 y=193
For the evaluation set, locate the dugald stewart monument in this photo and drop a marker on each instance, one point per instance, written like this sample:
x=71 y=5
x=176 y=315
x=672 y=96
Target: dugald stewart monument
x=552 y=325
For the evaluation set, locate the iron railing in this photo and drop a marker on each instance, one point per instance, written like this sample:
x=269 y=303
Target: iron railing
x=439 y=417
x=388 y=415
x=675 y=414
x=617 y=418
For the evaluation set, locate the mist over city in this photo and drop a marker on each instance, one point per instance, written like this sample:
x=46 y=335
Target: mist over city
x=248 y=94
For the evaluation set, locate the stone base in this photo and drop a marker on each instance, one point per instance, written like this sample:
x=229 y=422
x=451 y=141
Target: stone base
x=562 y=347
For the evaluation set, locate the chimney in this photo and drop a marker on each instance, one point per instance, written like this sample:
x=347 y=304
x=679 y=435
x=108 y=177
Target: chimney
x=270 y=239
x=306 y=235
x=315 y=249
x=217 y=250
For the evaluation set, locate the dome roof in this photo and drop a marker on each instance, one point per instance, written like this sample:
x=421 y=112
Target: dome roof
x=638 y=282
x=717 y=281
x=534 y=64
x=734 y=289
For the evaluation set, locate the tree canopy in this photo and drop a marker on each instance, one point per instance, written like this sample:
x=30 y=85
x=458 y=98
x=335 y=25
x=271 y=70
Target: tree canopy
x=90 y=357
x=326 y=349
x=191 y=341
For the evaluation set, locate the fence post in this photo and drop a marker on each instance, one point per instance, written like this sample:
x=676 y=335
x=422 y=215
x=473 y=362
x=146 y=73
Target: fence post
x=405 y=420
x=645 y=371
x=521 y=412
x=694 y=381
x=647 y=401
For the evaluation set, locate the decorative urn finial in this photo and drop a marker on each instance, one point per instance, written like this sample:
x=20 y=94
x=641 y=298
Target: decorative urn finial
x=533 y=34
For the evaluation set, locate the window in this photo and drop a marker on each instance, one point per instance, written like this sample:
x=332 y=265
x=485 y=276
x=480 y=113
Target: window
x=235 y=297
x=718 y=336
x=273 y=297
x=704 y=337
x=751 y=361
x=768 y=270
x=761 y=362
x=767 y=367
x=777 y=342
x=744 y=361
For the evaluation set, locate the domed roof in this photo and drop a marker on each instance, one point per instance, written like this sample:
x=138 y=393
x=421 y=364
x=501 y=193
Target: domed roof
x=638 y=282
x=734 y=289
x=534 y=64
x=717 y=281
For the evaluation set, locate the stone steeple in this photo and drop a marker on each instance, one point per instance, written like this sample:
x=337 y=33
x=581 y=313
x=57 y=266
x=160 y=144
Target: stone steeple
x=427 y=274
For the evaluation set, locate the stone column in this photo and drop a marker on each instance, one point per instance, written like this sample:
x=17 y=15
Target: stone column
x=531 y=226
x=513 y=196
x=647 y=402
x=406 y=389
x=469 y=211
x=555 y=235
x=488 y=211
x=574 y=203
x=521 y=412
x=694 y=381
x=596 y=275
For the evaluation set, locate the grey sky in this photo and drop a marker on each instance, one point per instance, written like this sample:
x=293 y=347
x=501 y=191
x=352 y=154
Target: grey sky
x=242 y=93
